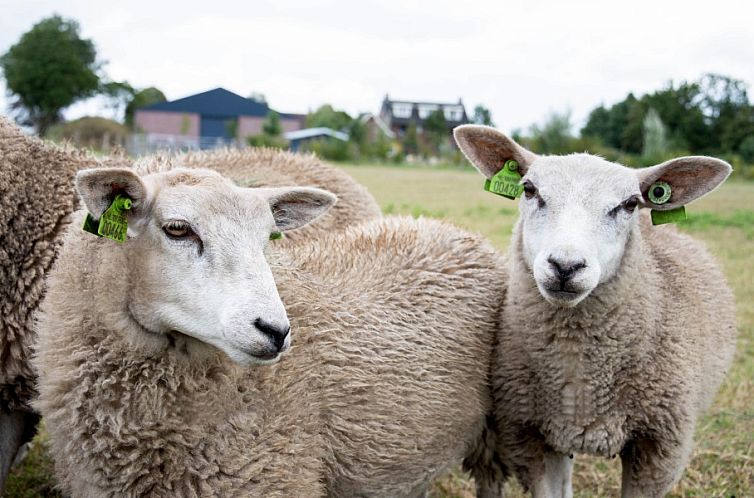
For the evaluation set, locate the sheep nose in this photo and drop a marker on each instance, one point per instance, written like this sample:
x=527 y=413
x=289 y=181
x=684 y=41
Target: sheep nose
x=566 y=269
x=275 y=333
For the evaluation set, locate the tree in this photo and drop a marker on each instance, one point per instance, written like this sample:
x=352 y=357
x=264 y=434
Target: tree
x=271 y=125
x=142 y=98
x=436 y=129
x=48 y=69
x=554 y=137
x=655 y=137
x=327 y=117
x=482 y=116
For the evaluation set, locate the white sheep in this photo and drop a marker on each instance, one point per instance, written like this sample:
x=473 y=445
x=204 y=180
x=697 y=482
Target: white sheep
x=617 y=333
x=142 y=347
x=36 y=201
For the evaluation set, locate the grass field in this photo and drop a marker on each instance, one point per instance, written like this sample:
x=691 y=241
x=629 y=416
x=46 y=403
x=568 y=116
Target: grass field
x=723 y=462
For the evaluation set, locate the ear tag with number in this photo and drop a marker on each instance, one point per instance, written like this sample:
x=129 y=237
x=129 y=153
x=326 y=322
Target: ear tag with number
x=659 y=193
x=113 y=223
x=506 y=181
x=276 y=235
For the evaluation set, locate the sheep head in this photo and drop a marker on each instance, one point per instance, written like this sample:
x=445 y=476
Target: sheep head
x=579 y=211
x=194 y=258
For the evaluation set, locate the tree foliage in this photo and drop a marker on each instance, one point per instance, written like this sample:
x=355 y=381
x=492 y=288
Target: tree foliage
x=712 y=115
x=482 y=116
x=327 y=117
x=142 y=98
x=48 y=69
x=554 y=136
x=271 y=125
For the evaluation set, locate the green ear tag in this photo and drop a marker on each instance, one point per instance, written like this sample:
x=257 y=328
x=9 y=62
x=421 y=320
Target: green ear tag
x=276 y=235
x=659 y=193
x=506 y=181
x=112 y=224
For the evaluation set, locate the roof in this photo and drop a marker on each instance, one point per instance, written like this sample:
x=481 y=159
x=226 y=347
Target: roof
x=315 y=132
x=379 y=122
x=405 y=112
x=218 y=103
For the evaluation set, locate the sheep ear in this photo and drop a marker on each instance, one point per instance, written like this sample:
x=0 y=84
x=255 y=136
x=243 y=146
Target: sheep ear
x=98 y=187
x=689 y=178
x=294 y=207
x=488 y=149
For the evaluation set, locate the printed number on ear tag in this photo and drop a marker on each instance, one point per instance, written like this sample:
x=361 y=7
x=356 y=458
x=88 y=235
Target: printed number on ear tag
x=113 y=223
x=506 y=181
x=659 y=193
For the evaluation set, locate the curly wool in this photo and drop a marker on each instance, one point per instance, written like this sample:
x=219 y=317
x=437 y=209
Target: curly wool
x=642 y=357
x=385 y=386
x=37 y=200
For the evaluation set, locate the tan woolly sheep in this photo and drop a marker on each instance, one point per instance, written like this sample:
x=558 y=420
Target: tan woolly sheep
x=386 y=384
x=617 y=333
x=36 y=188
x=37 y=200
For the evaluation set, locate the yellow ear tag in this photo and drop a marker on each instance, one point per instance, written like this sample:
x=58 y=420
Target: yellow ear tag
x=659 y=194
x=506 y=182
x=113 y=223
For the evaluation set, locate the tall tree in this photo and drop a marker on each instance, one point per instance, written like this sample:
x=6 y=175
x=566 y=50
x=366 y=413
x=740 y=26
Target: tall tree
x=436 y=129
x=271 y=125
x=482 y=116
x=142 y=98
x=554 y=136
x=48 y=69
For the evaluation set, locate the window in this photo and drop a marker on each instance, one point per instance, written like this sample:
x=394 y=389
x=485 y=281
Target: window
x=453 y=113
x=426 y=109
x=402 y=110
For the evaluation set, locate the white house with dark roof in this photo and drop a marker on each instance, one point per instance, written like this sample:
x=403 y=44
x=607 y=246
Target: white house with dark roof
x=399 y=115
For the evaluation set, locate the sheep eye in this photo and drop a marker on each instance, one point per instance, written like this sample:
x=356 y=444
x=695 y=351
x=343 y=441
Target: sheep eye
x=177 y=229
x=529 y=190
x=630 y=204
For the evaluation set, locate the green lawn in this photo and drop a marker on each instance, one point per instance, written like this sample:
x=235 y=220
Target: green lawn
x=723 y=463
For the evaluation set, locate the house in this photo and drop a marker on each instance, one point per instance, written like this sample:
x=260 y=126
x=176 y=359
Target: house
x=376 y=129
x=213 y=117
x=296 y=139
x=399 y=115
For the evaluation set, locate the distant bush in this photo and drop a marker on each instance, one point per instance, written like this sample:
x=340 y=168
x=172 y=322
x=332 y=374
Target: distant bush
x=92 y=132
x=332 y=149
x=263 y=140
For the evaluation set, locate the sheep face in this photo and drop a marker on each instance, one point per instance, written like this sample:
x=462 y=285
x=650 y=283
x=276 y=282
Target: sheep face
x=578 y=212
x=195 y=256
x=576 y=215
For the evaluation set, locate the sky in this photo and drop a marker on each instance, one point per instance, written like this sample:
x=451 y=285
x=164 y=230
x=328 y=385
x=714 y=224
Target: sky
x=521 y=59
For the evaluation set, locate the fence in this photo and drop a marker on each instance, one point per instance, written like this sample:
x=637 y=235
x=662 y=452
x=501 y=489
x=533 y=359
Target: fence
x=142 y=144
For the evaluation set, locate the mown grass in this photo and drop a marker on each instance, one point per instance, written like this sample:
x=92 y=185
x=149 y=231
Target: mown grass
x=723 y=461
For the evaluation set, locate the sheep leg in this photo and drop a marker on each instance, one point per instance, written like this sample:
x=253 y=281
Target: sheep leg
x=16 y=428
x=556 y=480
x=651 y=468
x=540 y=470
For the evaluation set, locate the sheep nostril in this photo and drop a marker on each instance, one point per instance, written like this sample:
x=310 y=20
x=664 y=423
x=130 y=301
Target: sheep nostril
x=566 y=269
x=275 y=333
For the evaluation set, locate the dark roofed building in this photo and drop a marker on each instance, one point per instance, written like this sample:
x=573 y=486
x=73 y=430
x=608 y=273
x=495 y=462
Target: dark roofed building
x=400 y=114
x=215 y=115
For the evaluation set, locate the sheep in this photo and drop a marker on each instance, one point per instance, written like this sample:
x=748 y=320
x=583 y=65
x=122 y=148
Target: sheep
x=37 y=201
x=36 y=185
x=142 y=347
x=617 y=333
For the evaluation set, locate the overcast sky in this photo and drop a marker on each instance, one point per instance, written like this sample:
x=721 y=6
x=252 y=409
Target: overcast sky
x=522 y=59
